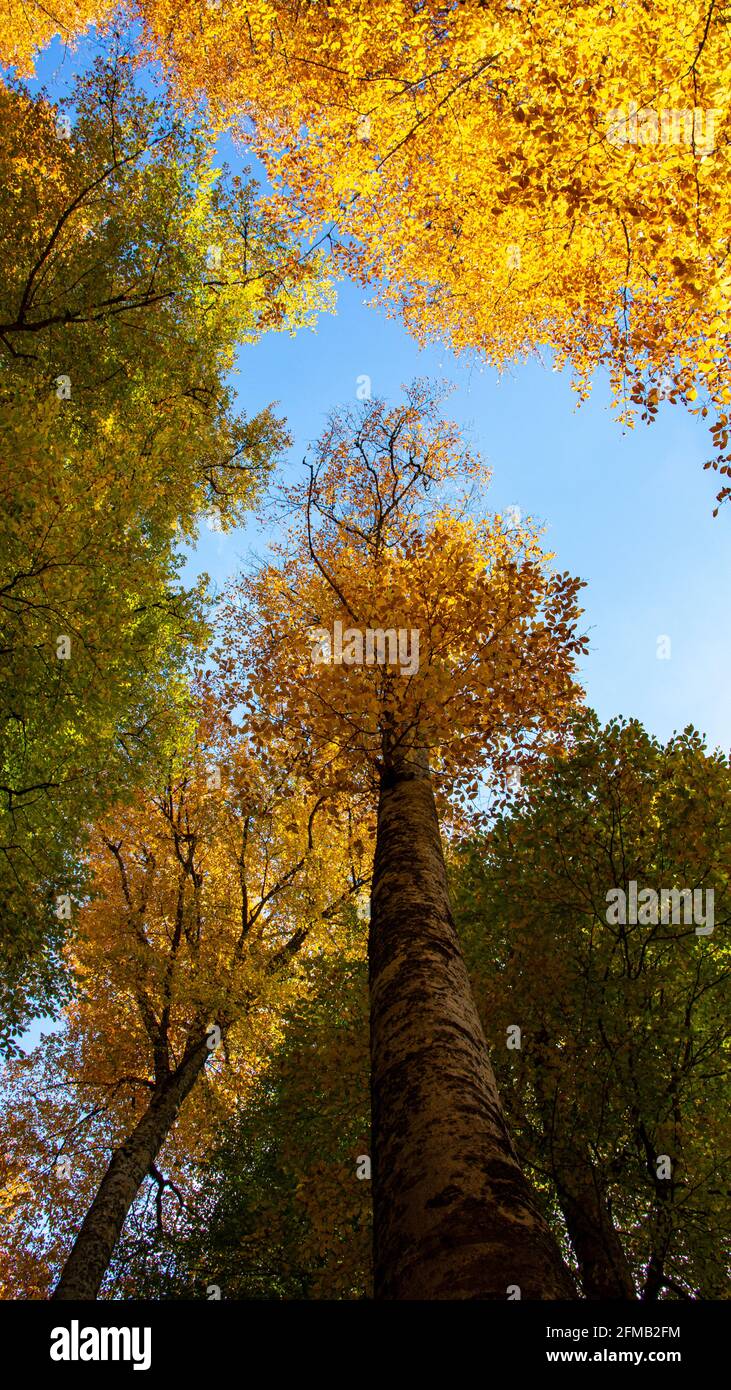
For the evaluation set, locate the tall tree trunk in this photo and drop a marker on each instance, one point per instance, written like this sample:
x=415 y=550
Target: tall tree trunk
x=453 y=1214
x=92 y=1250
x=603 y=1267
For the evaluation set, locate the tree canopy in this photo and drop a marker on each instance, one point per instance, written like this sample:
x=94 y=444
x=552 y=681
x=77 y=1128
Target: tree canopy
x=203 y=898
x=134 y=267
x=511 y=176
x=378 y=967
x=622 y=1053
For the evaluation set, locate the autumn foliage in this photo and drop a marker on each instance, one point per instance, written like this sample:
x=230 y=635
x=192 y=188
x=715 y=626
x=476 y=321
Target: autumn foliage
x=305 y=879
x=509 y=176
x=372 y=548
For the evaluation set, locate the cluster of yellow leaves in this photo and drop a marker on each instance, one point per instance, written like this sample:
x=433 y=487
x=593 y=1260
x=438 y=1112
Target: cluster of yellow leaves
x=27 y=26
x=496 y=627
x=196 y=893
x=202 y=898
x=469 y=159
x=32 y=1274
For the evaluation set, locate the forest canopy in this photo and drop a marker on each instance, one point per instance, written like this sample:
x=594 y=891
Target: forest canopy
x=347 y=952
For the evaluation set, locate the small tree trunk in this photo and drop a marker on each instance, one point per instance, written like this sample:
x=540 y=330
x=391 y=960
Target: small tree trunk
x=92 y=1250
x=661 y=1237
x=603 y=1267
x=453 y=1213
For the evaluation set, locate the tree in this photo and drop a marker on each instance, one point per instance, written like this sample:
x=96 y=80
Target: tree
x=481 y=640
x=280 y=1205
x=133 y=270
x=203 y=897
x=615 y=1090
x=27 y=27
x=510 y=176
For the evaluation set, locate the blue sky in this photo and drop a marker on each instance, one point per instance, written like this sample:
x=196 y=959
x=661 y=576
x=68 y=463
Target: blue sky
x=628 y=511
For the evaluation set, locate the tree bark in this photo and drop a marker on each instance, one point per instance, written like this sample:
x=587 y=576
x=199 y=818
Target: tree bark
x=92 y=1250
x=604 y=1271
x=603 y=1267
x=453 y=1213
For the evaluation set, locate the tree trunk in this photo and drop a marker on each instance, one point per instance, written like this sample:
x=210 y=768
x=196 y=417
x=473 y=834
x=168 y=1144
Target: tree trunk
x=453 y=1214
x=604 y=1271
x=92 y=1250
x=603 y=1268
x=662 y=1233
